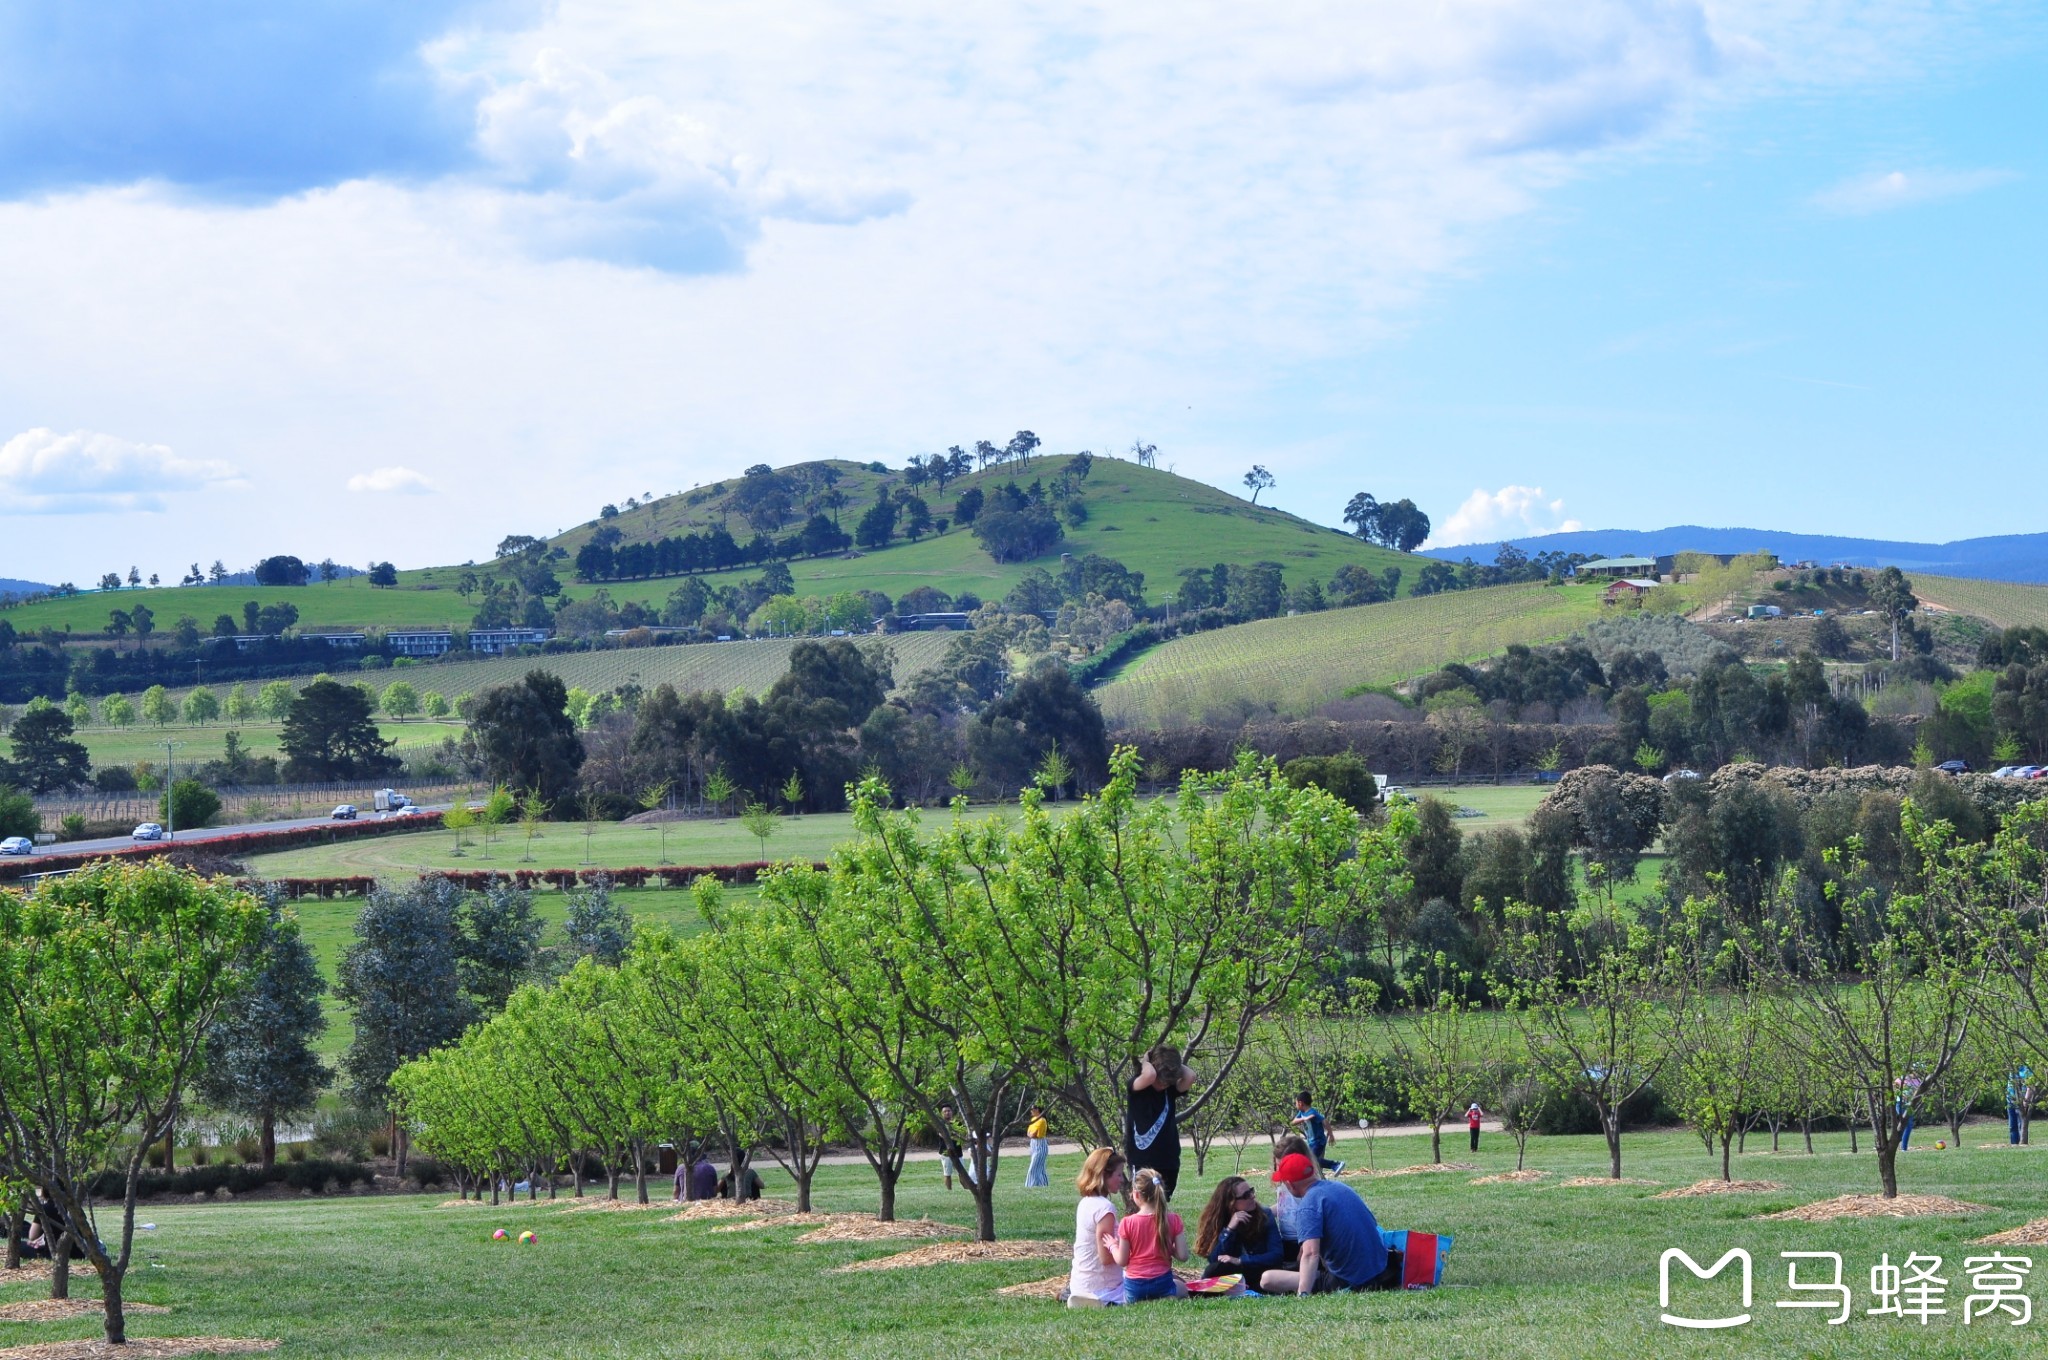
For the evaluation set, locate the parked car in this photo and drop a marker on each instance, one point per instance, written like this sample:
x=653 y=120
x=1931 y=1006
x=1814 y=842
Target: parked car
x=148 y=831
x=345 y=813
x=1681 y=774
x=2004 y=772
x=17 y=845
x=1954 y=767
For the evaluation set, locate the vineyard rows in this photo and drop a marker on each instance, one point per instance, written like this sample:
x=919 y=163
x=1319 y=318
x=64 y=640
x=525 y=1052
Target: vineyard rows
x=752 y=665
x=1301 y=662
x=2004 y=603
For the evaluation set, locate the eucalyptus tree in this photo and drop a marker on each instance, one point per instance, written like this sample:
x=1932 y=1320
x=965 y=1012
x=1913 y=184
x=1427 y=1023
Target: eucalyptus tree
x=109 y=982
x=260 y=1059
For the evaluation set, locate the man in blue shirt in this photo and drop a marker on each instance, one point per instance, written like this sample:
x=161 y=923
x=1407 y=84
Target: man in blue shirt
x=1341 y=1247
x=1316 y=1131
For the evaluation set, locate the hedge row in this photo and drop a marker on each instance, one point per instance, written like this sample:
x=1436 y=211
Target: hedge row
x=240 y=843
x=669 y=876
x=311 y=1175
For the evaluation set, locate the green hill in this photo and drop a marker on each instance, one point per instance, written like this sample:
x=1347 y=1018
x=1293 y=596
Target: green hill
x=1150 y=520
x=1298 y=663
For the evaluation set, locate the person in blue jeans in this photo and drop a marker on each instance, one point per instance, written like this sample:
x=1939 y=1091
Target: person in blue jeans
x=1316 y=1131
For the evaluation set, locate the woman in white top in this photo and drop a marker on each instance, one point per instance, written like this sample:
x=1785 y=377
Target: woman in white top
x=1096 y=1278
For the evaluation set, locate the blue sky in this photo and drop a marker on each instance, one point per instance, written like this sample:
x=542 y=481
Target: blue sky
x=392 y=281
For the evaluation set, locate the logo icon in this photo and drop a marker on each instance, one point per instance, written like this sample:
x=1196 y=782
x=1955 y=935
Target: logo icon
x=1708 y=1273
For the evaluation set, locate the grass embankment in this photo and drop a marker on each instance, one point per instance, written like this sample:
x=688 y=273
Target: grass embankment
x=1301 y=662
x=1539 y=1270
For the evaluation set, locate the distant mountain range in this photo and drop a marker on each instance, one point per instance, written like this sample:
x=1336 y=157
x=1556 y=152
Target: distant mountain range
x=2007 y=557
x=10 y=586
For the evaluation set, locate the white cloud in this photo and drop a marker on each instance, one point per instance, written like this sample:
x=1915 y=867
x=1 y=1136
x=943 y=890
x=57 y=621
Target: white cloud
x=1511 y=512
x=85 y=471
x=391 y=479
x=695 y=238
x=1865 y=194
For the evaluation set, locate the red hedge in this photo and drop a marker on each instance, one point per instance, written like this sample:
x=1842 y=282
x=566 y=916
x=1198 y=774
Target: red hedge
x=237 y=843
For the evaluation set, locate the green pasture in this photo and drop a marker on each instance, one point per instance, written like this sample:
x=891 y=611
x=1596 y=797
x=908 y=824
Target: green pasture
x=1496 y=804
x=1299 y=663
x=1543 y=1271
x=353 y=603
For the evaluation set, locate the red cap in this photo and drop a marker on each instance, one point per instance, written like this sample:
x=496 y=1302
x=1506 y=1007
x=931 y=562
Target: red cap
x=1294 y=1167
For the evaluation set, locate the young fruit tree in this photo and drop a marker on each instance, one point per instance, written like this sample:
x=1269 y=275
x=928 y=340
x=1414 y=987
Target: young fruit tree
x=1884 y=1003
x=1438 y=1047
x=1718 y=1044
x=1589 y=997
x=109 y=982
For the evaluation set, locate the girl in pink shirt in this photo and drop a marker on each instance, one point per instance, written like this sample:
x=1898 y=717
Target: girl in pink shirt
x=1148 y=1242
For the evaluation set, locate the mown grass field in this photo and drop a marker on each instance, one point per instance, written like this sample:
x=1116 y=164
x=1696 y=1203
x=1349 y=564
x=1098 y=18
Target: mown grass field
x=1542 y=1271
x=353 y=603
x=1300 y=662
x=2005 y=603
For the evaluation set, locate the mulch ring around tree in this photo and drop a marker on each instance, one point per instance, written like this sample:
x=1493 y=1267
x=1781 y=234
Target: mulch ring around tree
x=1718 y=1187
x=1048 y=1288
x=1419 y=1169
x=1877 y=1206
x=698 y=1211
x=28 y=1272
x=1511 y=1178
x=2033 y=1234
x=962 y=1253
x=486 y=1204
x=63 y=1310
x=138 y=1348
x=588 y=1205
x=867 y=1228
x=1581 y=1182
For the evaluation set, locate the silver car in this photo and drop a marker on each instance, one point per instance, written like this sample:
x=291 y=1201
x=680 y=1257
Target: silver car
x=148 y=831
x=17 y=845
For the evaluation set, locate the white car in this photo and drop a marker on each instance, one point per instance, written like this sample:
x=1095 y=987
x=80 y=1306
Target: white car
x=148 y=831
x=17 y=845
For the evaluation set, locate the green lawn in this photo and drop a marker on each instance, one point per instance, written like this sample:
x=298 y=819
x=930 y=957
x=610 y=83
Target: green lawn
x=1537 y=1271
x=1496 y=804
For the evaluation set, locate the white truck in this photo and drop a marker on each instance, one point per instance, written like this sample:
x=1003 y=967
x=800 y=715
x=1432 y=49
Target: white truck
x=391 y=800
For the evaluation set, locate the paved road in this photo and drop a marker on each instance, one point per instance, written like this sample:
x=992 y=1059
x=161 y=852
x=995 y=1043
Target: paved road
x=206 y=834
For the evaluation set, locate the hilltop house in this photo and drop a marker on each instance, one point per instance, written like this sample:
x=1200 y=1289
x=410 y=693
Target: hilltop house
x=1619 y=567
x=421 y=641
x=497 y=641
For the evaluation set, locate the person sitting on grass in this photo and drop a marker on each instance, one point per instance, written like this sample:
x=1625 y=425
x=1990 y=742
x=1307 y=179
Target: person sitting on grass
x=38 y=1245
x=1095 y=1279
x=1286 y=1208
x=1317 y=1130
x=740 y=1183
x=1149 y=1241
x=1341 y=1248
x=704 y=1176
x=1236 y=1233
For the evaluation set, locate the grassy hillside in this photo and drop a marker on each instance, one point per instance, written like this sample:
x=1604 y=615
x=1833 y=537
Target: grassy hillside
x=1150 y=520
x=1300 y=662
x=2003 y=603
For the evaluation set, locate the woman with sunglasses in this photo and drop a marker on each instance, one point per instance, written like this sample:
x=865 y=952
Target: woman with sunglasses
x=1237 y=1234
